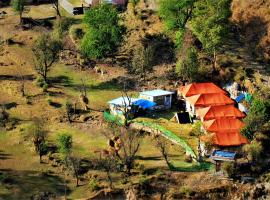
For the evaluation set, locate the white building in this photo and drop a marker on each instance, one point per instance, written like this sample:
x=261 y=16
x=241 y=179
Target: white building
x=162 y=98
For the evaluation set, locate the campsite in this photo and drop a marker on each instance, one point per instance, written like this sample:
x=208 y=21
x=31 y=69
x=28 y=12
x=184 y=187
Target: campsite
x=134 y=99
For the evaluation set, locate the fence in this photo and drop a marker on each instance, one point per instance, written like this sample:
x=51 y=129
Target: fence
x=170 y=136
x=70 y=8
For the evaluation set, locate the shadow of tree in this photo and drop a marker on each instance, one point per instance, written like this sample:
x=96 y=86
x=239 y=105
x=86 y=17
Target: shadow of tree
x=16 y=78
x=4 y=156
x=163 y=48
x=61 y=80
x=25 y=184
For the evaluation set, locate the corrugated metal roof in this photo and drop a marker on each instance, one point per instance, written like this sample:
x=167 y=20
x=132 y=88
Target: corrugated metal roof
x=155 y=93
x=121 y=101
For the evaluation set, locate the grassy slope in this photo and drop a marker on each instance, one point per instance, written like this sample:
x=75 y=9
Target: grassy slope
x=22 y=161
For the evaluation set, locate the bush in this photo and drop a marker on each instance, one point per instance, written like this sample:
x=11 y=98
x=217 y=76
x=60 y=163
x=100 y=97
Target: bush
x=61 y=26
x=45 y=87
x=39 y=81
x=185 y=190
x=49 y=101
x=76 y=33
x=229 y=168
x=93 y=184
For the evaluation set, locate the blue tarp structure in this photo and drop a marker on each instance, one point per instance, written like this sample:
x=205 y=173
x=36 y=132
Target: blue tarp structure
x=145 y=104
x=240 y=97
x=223 y=155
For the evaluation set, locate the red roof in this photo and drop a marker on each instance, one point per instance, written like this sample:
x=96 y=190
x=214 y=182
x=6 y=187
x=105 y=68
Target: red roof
x=216 y=112
x=205 y=100
x=225 y=138
x=200 y=88
x=222 y=124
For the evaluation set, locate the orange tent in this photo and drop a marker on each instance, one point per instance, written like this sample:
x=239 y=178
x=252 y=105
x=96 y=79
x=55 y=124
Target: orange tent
x=200 y=88
x=225 y=138
x=223 y=124
x=205 y=100
x=216 y=112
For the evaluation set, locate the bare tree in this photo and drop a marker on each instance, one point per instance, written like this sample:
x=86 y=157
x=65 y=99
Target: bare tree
x=38 y=135
x=126 y=145
x=55 y=4
x=83 y=96
x=46 y=51
x=131 y=140
x=162 y=146
x=74 y=165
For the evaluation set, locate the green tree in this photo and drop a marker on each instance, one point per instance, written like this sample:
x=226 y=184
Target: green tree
x=176 y=13
x=18 y=6
x=104 y=32
x=38 y=135
x=72 y=163
x=187 y=67
x=143 y=61
x=210 y=24
x=258 y=115
x=64 y=142
x=46 y=50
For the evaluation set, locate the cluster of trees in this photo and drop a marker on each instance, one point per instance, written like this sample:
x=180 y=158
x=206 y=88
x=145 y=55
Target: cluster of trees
x=104 y=33
x=206 y=19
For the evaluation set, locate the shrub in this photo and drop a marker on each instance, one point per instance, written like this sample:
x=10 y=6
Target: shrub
x=143 y=181
x=61 y=26
x=39 y=81
x=45 y=87
x=93 y=184
x=49 y=101
x=229 y=168
x=77 y=33
x=185 y=190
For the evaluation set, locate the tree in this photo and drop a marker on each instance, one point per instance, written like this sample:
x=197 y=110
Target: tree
x=163 y=148
x=176 y=13
x=188 y=66
x=143 y=60
x=46 y=50
x=130 y=147
x=253 y=150
x=18 y=6
x=38 y=135
x=258 y=115
x=210 y=24
x=72 y=163
x=55 y=4
x=104 y=32
x=64 y=142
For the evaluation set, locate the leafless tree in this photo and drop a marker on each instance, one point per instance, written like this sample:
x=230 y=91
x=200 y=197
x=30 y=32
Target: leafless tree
x=55 y=4
x=83 y=96
x=162 y=146
x=74 y=164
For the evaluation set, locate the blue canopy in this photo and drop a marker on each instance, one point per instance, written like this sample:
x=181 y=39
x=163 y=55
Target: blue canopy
x=143 y=103
x=240 y=97
x=223 y=155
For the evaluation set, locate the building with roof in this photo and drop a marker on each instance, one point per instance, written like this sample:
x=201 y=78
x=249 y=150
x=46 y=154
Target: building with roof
x=204 y=100
x=113 y=2
x=199 y=88
x=122 y=105
x=223 y=124
x=225 y=138
x=217 y=112
x=162 y=98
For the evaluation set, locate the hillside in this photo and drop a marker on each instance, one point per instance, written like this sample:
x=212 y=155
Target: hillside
x=253 y=20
